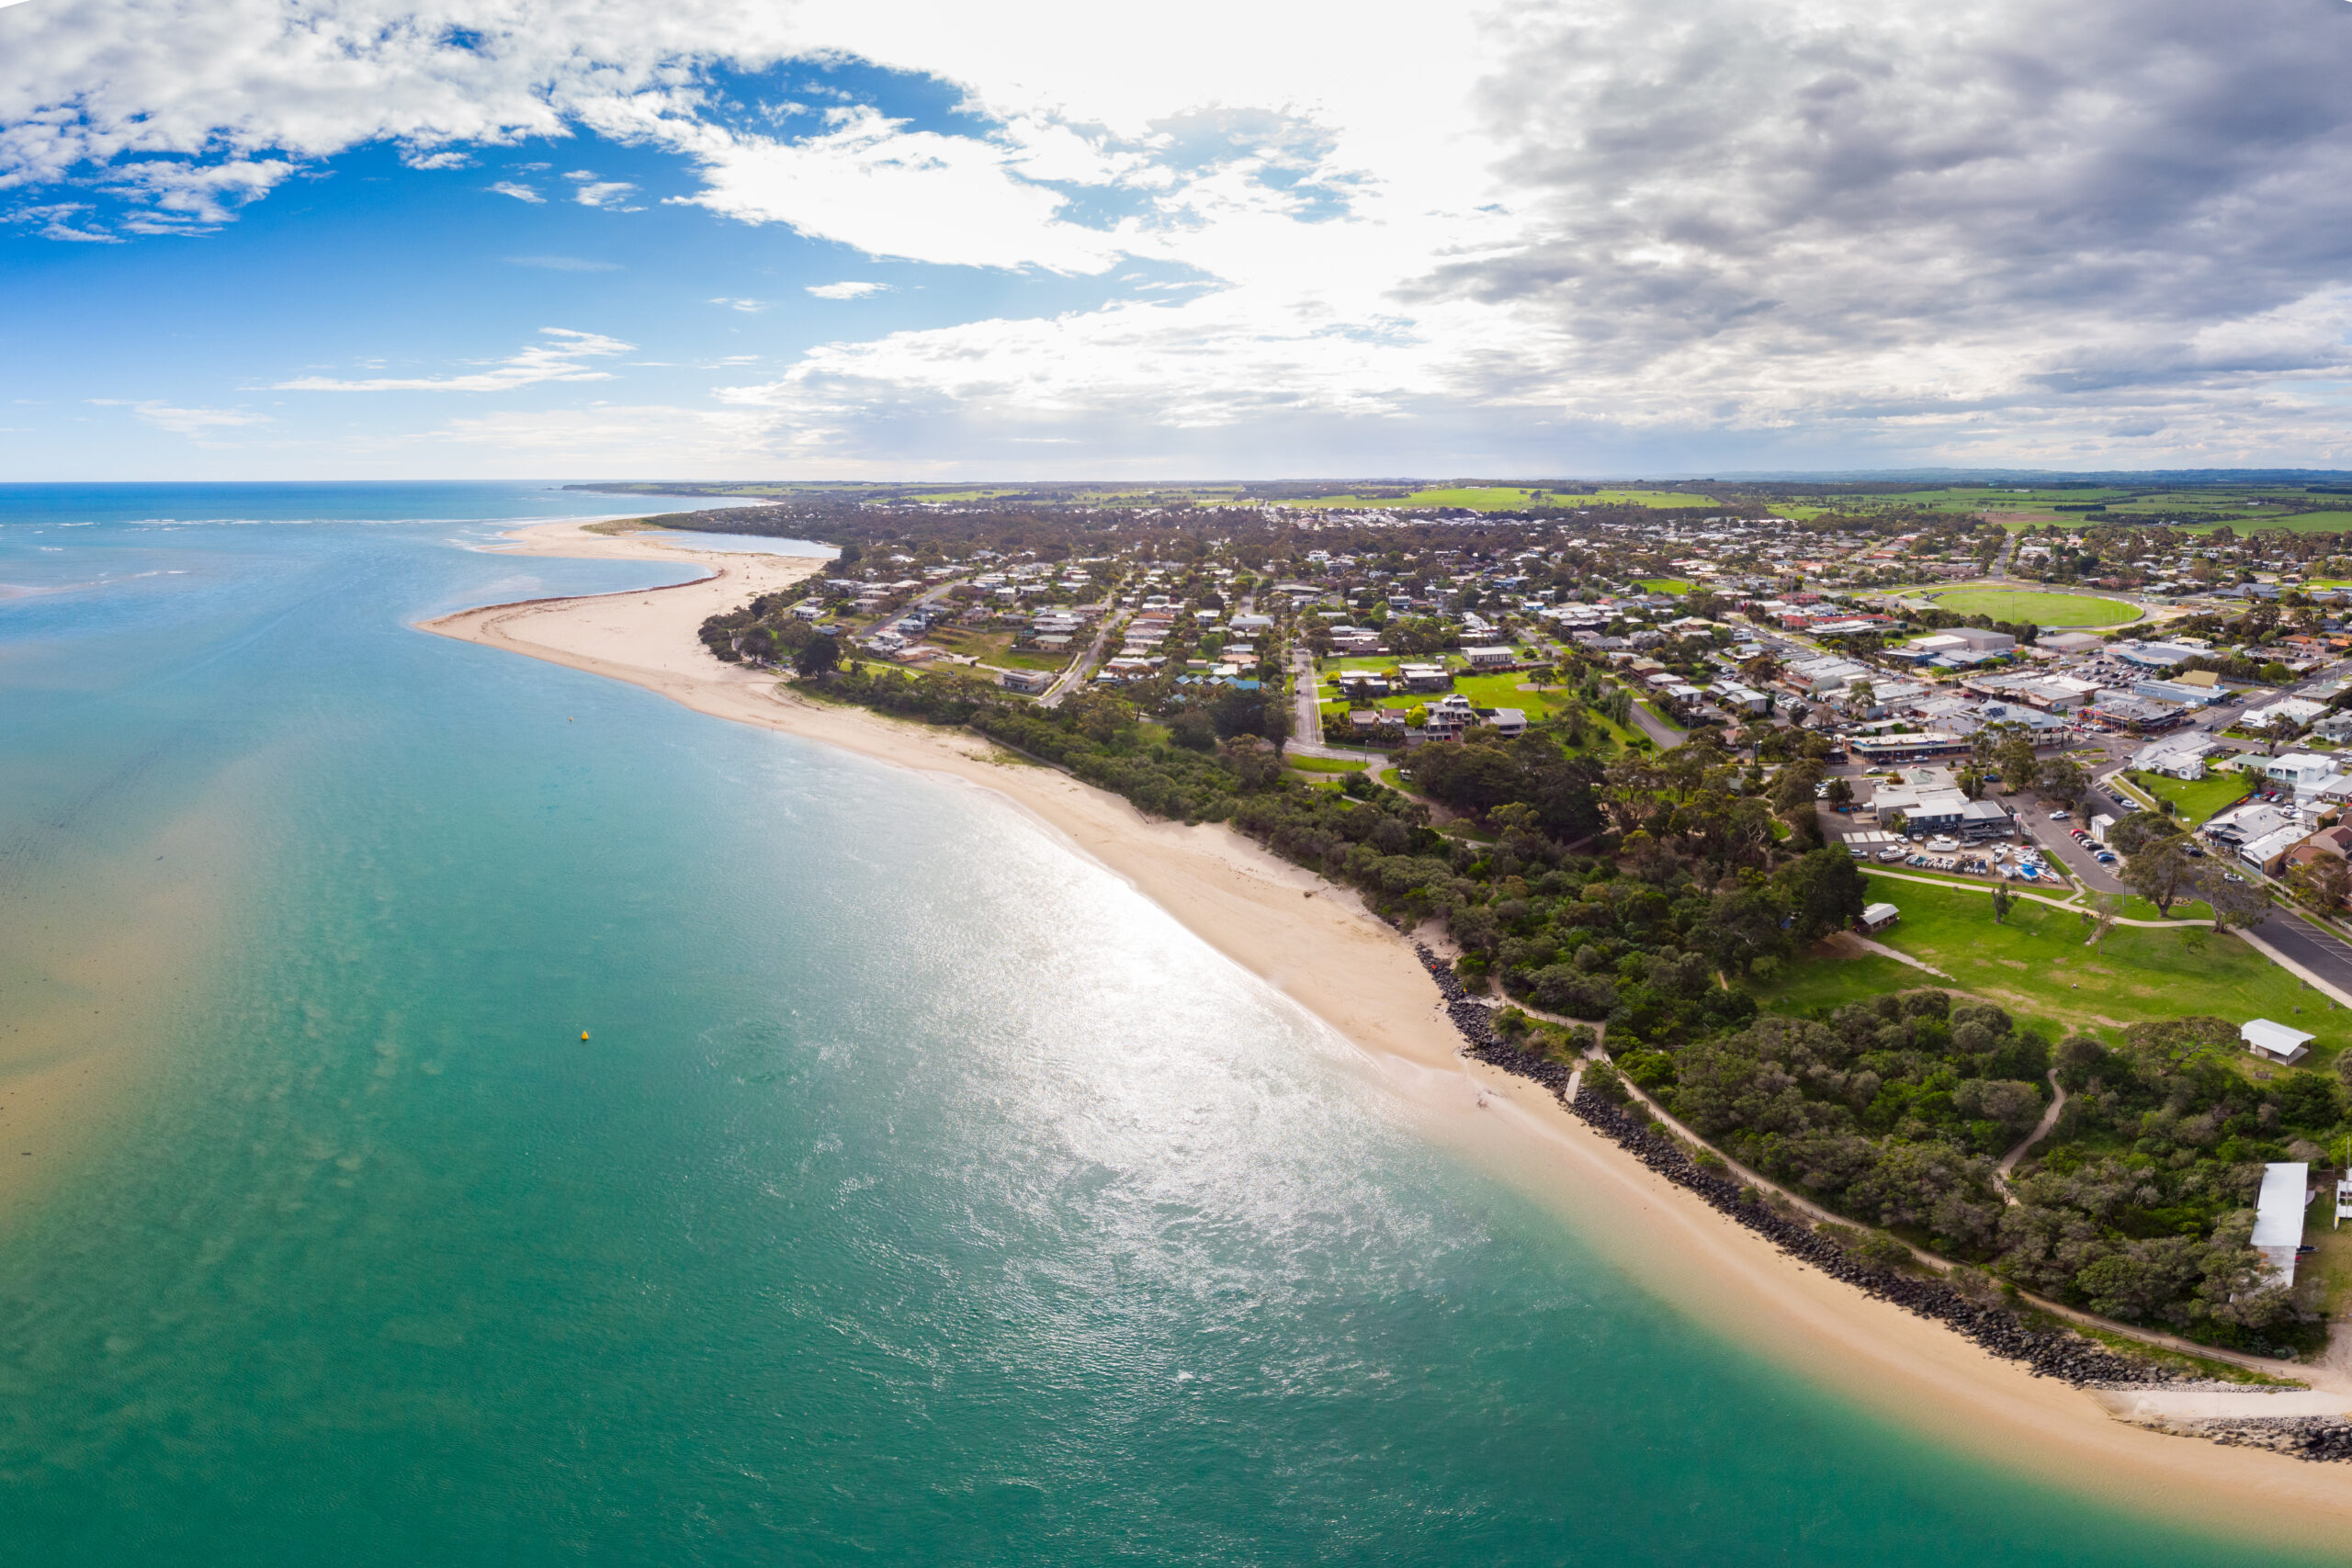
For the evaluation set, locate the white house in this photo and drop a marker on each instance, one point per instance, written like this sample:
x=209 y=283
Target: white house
x=2278 y=1216
x=1489 y=658
x=2297 y=710
x=2297 y=768
x=2180 y=756
x=2274 y=1041
x=1878 y=916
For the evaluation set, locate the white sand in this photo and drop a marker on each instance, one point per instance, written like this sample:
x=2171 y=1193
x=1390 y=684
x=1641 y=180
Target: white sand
x=1317 y=943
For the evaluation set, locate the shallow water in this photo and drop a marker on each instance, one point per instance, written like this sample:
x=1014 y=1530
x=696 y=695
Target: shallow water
x=920 y=1193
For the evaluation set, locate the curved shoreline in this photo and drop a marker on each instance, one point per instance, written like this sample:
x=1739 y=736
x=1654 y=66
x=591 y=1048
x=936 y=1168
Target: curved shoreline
x=1316 y=942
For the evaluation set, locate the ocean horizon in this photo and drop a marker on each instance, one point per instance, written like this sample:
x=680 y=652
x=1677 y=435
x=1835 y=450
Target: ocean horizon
x=511 y=1118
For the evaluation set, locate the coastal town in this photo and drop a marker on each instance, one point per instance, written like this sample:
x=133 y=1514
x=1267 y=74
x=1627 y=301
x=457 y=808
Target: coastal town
x=2043 y=874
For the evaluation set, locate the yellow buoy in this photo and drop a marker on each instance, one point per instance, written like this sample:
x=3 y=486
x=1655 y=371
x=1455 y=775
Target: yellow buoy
x=583 y=1034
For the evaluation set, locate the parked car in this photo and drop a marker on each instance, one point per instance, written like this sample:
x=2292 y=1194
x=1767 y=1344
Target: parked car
x=2058 y=817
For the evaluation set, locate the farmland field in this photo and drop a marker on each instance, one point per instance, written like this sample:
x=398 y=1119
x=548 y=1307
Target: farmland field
x=2036 y=609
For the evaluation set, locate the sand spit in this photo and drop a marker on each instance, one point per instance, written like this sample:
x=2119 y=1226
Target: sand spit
x=1319 y=944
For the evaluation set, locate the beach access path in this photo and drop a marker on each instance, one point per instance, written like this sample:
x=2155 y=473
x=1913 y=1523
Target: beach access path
x=1317 y=943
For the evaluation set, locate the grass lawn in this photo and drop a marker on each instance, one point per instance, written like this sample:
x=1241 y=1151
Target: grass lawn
x=995 y=647
x=2333 y=1261
x=1323 y=765
x=2302 y=523
x=1653 y=710
x=2036 y=609
x=2197 y=798
x=1502 y=692
x=1665 y=585
x=2035 y=965
x=1620 y=733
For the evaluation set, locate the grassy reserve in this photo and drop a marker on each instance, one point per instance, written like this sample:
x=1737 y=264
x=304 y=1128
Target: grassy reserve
x=2035 y=963
x=2196 y=799
x=2036 y=609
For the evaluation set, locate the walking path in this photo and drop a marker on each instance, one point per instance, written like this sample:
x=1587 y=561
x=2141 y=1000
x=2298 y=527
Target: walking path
x=1886 y=952
x=2040 y=1131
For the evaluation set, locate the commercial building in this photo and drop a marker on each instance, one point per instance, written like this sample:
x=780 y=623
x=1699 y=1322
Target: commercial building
x=2179 y=692
x=1884 y=749
x=2268 y=854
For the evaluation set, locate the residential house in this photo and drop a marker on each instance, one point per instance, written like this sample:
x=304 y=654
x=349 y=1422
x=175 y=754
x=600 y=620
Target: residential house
x=2286 y=1188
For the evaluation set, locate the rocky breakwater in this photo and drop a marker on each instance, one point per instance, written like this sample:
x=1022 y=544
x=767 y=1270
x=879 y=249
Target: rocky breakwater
x=1993 y=1328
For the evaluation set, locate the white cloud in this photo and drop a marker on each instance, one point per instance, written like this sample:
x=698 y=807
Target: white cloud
x=183 y=421
x=555 y=361
x=749 y=307
x=57 y=221
x=846 y=290
x=601 y=193
x=519 y=192
x=1915 y=229
x=887 y=191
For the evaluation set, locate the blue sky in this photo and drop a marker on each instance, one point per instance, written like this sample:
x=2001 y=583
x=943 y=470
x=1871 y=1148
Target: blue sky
x=707 y=239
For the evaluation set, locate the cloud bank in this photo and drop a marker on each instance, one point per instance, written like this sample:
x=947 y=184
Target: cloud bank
x=1987 y=230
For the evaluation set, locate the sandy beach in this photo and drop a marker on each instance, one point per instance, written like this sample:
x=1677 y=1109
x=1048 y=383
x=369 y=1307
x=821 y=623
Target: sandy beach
x=1317 y=944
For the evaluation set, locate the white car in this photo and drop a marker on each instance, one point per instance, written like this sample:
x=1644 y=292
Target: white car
x=2058 y=817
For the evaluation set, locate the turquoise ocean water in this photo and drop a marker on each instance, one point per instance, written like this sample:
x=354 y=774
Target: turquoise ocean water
x=922 y=1195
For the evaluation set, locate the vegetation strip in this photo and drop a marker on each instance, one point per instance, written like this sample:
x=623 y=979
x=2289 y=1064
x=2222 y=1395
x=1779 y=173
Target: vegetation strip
x=1995 y=1330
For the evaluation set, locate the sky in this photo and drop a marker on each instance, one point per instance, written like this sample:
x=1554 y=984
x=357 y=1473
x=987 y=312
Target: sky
x=893 y=238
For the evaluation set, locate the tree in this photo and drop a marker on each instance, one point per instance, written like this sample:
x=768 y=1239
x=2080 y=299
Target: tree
x=2020 y=770
x=2324 y=882
x=1792 y=791
x=820 y=654
x=1841 y=793
x=1826 y=893
x=2001 y=902
x=2105 y=907
x=2160 y=871
x=2060 y=781
x=2236 y=905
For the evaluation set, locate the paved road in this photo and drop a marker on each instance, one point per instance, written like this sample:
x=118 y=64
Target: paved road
x=1081 y=668
x=1661 y=736
x=1307 y=713
x=2329 y=957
